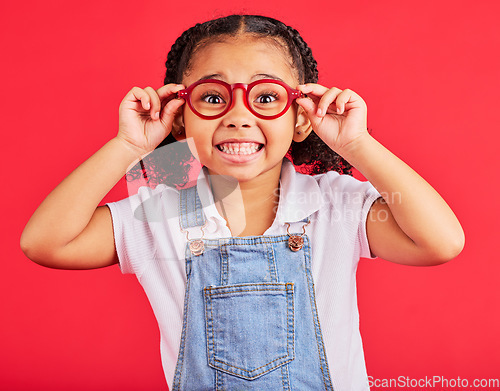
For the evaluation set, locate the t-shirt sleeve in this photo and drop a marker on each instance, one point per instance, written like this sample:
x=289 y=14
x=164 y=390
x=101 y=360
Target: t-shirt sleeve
x=352 y=199
x=370 y=196
x=133 y=230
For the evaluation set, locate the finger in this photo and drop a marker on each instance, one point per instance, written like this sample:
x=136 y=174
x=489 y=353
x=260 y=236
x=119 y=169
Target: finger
x=312 y=89
x=169 y=89
x=169 y=111
x=310 y=109
x=327 y=99
x=167 y=92
x=155 y=103
x=308 y=105
x=317 y=93
x=138 y=95
x=345 y=98
x=162 y=96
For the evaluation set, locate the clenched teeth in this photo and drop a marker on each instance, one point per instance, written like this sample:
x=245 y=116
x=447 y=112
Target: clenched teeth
x=239 y=148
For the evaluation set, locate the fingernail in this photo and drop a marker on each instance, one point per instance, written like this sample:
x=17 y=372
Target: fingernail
x=339 y=110
x=148 y=106
x=157 y=115
x=319 y=113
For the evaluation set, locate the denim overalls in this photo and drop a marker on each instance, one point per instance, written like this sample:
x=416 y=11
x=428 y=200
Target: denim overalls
x=250 y=318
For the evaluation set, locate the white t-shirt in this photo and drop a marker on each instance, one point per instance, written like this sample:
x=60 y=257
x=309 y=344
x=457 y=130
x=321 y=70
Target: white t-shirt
x=150 y=245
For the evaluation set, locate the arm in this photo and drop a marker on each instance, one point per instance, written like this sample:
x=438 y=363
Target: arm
x=412 y=224
x=69 y=230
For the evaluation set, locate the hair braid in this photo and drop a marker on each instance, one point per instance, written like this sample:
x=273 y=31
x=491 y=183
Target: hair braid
x=175 y=54
x=308 y=61
x=181 y=52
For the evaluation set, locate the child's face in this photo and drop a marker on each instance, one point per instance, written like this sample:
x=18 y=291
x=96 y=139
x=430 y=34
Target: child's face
x=240 y=144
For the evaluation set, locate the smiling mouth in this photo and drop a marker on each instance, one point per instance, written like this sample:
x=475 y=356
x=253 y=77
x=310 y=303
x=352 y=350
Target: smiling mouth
x=239 y=148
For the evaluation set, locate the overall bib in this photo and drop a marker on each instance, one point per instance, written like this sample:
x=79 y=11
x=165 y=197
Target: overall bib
x=250 y=318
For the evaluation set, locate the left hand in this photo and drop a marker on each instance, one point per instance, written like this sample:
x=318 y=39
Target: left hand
x=338 y=117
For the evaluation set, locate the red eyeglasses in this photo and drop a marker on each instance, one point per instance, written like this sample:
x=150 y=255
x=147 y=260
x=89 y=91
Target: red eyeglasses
x=265 y=98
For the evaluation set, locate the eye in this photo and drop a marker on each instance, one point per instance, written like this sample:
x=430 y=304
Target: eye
x=212 y=98
x=267 y=97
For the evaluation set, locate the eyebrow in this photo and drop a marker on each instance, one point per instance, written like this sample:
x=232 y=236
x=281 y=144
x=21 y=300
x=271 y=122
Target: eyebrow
x=266 y=76
x=218 y=76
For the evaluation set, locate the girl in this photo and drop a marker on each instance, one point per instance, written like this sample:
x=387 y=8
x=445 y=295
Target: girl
x=250 y=271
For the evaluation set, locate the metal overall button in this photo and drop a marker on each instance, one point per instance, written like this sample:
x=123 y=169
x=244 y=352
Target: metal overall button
x=296 y=242
x=196 y=246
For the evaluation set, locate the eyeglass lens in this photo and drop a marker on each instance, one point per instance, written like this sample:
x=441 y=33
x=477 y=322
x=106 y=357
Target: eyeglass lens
x=266 y=99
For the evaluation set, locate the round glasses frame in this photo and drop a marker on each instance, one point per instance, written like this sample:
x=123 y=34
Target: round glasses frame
x=292 y=95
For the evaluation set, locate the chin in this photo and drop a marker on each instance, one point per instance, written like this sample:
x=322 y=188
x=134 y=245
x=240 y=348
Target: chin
x=239 y=177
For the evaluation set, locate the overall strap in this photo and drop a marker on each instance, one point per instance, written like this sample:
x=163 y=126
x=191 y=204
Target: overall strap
x=190 y=208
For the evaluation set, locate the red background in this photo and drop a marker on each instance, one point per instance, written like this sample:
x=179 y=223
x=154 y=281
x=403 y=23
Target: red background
x=429 y=73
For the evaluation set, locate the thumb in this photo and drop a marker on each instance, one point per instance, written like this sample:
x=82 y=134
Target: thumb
x=310 y=108
x=168 y=113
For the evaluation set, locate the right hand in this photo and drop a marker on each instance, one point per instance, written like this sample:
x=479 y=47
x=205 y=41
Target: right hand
x=146 y=116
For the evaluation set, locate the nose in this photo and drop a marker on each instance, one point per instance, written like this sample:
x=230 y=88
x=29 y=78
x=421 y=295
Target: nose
x=238 y=115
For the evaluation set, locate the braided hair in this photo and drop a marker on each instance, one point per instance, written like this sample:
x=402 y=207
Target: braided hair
x=311 y=155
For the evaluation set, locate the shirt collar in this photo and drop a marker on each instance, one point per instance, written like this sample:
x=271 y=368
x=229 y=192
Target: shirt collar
x=300 y=195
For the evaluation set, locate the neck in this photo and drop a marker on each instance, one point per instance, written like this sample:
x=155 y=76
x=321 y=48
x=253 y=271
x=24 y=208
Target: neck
x=249 y=207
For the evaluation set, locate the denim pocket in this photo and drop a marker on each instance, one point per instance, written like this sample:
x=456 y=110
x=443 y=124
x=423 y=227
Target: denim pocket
x=250 y=327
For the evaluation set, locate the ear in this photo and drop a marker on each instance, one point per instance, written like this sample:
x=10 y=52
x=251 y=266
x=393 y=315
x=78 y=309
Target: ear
x=303 y=126
x=178 y=130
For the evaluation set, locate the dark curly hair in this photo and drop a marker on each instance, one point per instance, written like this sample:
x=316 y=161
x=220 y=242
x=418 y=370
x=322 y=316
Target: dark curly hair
x=171 y=166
